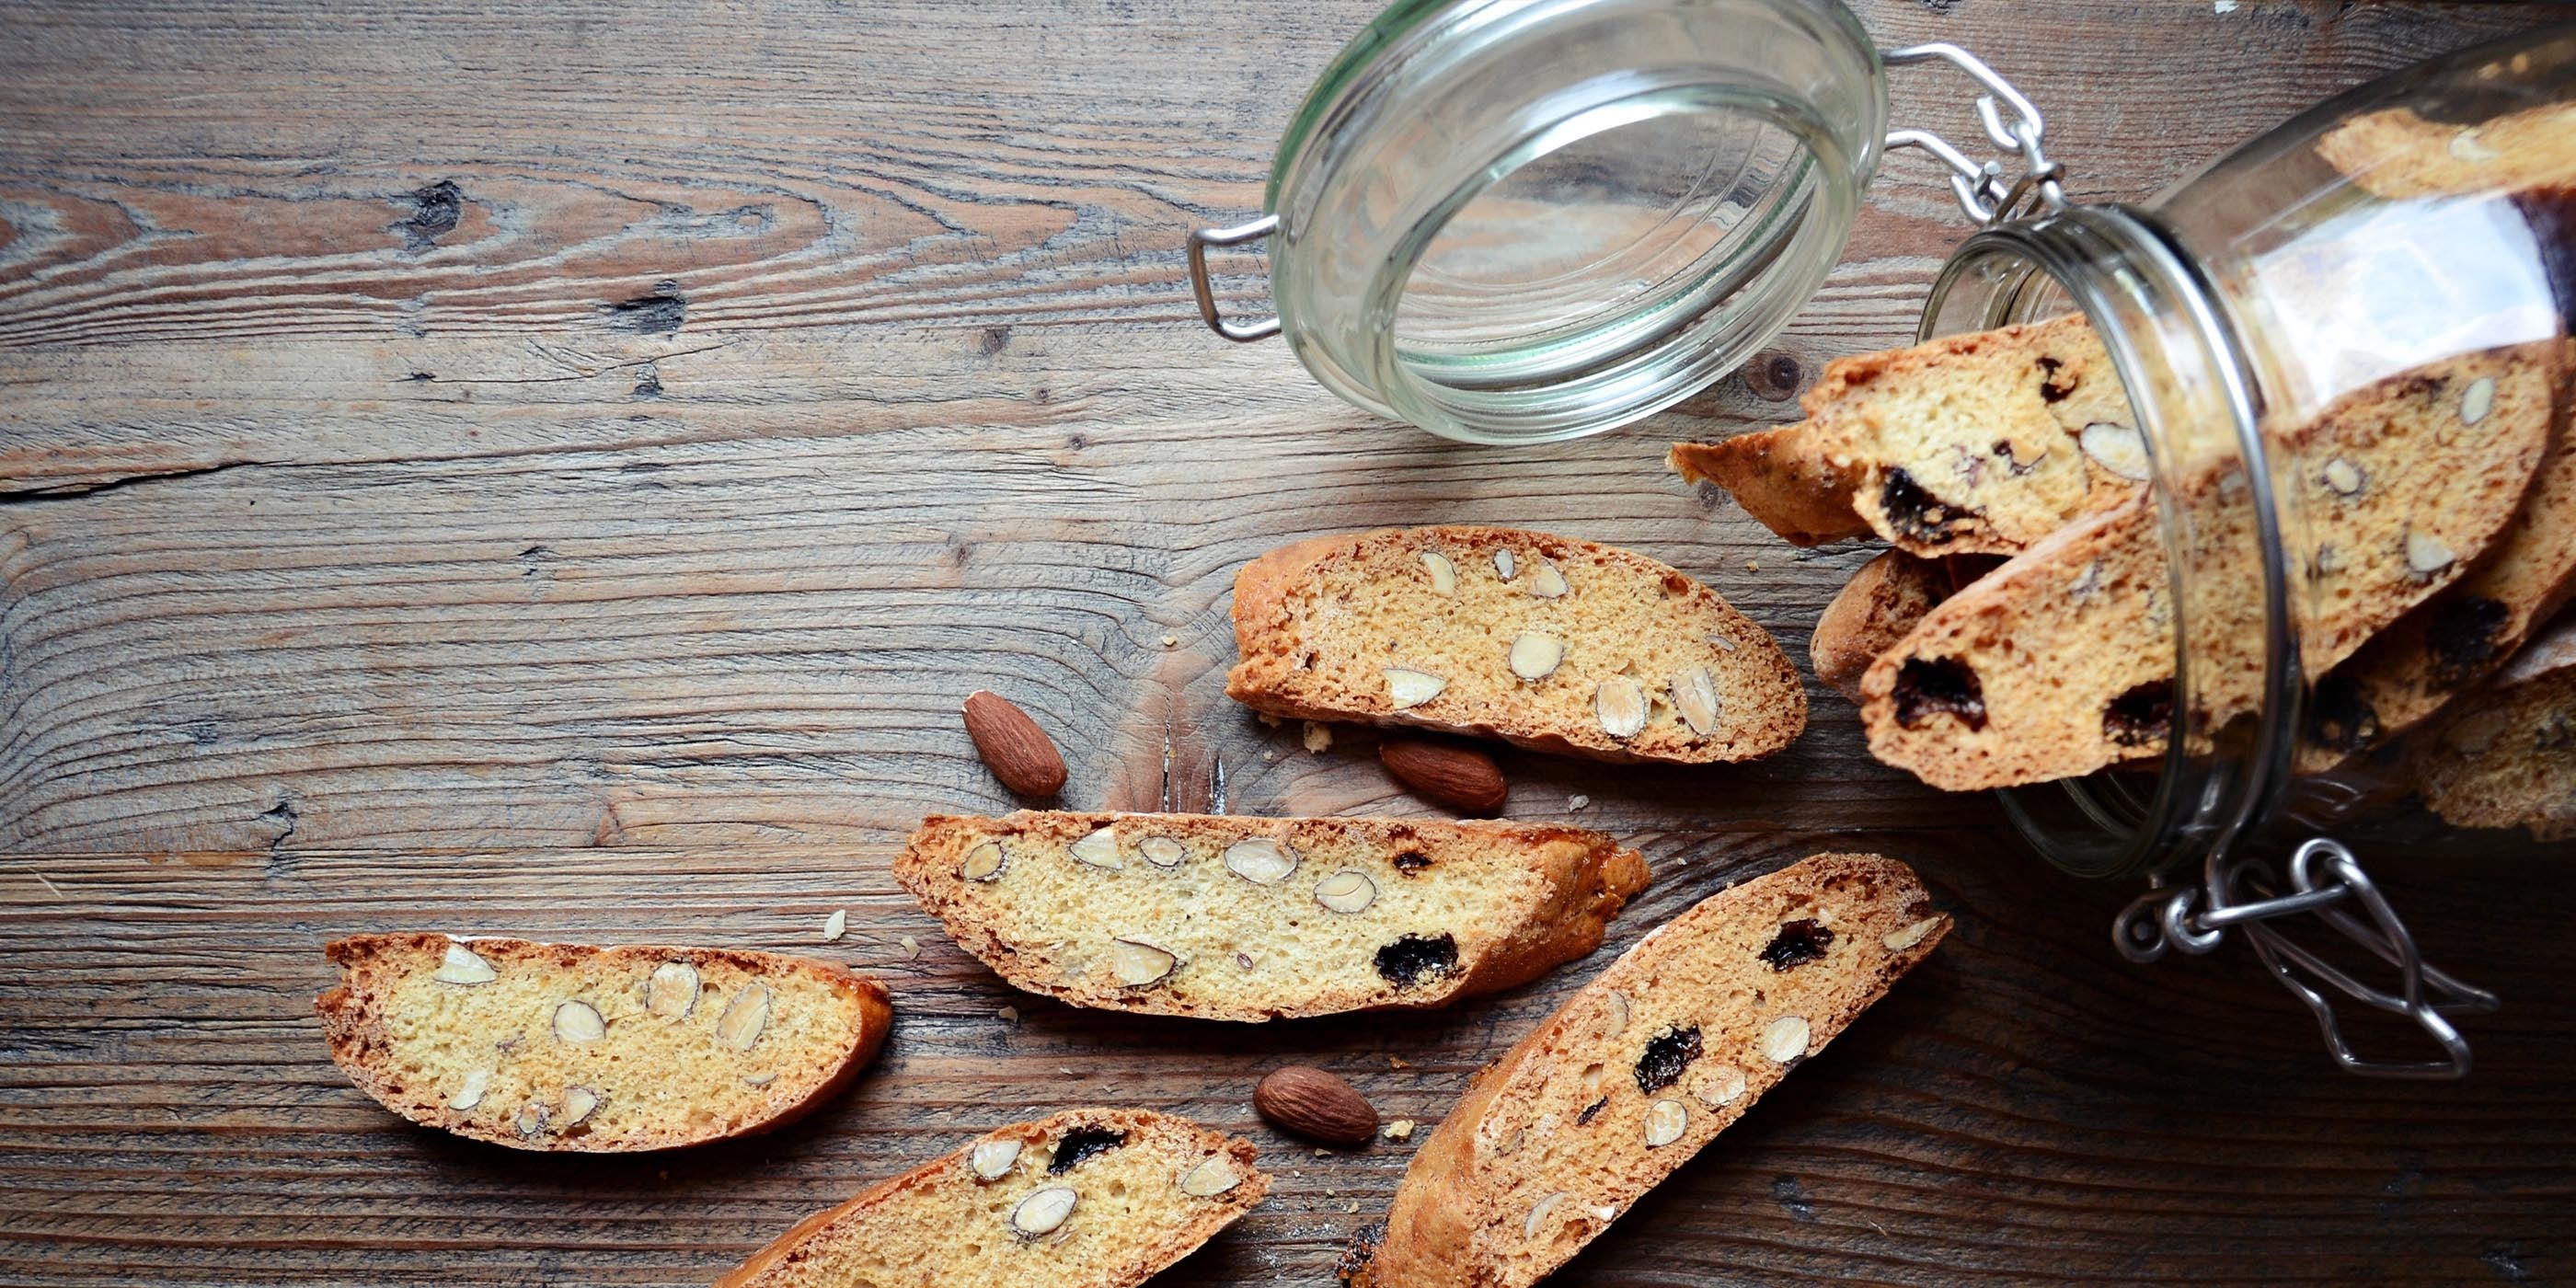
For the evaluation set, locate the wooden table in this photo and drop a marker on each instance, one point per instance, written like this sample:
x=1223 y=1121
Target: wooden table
x=557 y=468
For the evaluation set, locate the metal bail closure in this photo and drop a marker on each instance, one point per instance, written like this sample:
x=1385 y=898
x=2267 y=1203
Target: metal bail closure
x=1982 y=190
x=2324 y=879
x=1205 y=290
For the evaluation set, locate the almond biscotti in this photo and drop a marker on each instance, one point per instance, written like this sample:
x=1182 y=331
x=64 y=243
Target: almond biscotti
x=1782 y=478
x=1645 y=1065
x=1980 y=443
x=2442 y=648
x=1094 y=1198
x=1232 y=917
x=567 y=1047
x=2507 y=757
x=2397 y=154
x=1542 y=641
x=1873 y=613
x=2061 y=661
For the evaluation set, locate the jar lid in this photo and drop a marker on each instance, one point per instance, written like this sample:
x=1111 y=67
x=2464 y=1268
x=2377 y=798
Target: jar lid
x=1528 y=220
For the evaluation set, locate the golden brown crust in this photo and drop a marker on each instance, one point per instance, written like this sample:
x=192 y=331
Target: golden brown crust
x=803 y=1239
x=1872 y=614
x=1583 y=878
x=354 y=1028
x=2397 y=154
x=1764 y=707
x=1458 y=1219
x=1782 y=478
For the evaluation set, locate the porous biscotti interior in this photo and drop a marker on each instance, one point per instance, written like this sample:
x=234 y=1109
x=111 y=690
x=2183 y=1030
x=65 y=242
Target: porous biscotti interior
x=946 y=1224
x=1978 y=442
x=1677 y=1039
x=567 y=1047
x=1430 y=623
x=2508 y=758
x=2396 y=153
x=1247 y=917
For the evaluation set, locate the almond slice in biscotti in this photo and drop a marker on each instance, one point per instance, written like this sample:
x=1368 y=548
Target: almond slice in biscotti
x=1781 y=478
x=1645 y=1065
x=2061 y=661
x=1546 y=642
x=1238 y=918
x=2505 y=756
x=1092 y=1198
x=1872 y=614
x=567 y=1047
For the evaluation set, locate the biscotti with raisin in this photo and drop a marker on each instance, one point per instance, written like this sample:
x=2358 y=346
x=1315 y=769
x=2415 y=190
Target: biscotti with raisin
x=1643 y=1066
x=1873 y=613
x=2061 y=661
x=1232 y=917
x=1093 y=1198
x=568 y=1047
x=2505 y=757
x=1980 y=443
x=2447 y=644
x=1542 y=641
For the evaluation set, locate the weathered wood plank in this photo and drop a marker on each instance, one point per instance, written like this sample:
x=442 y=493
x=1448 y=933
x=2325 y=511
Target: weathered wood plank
x=2025 y=1107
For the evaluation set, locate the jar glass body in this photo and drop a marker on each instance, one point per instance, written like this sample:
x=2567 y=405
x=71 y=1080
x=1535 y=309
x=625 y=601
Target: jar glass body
x=2346 y=345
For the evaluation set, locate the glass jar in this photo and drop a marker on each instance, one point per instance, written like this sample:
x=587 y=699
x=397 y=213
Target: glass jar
x=2345 y=348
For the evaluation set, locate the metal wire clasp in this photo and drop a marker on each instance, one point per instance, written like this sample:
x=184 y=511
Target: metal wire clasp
x=1983 y=191
x=1205 y=290
x=2324 y=879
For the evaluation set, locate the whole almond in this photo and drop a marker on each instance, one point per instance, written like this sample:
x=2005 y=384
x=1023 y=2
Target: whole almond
x=1013 y=746
x=1305 y=1101
x=1447 y=772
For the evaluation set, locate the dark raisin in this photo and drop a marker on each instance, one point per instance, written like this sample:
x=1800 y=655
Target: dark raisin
x=1082 y=1143
x=2464 y=636
x=2140 y=717
x=1930 y=686
x=1798 y=943
x=1918 y=514
x=2340 y=720
x=1667 y=1054
x=1585 y=1118
x=1412 y=861
x=1414 y=958
x=1358 y=1253
x=2049 y=390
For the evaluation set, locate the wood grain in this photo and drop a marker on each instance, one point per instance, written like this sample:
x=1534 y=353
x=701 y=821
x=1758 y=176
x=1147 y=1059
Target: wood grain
x=558 y=468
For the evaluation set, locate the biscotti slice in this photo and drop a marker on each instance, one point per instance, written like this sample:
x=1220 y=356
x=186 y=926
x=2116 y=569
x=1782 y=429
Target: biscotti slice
x=2507 y=757
x=2397 y=154
x=1643 y=1066
x=2447 y=644
x=569 y=1047
x=1230 y=917
x=2061 y=661
x=1782 y=478
x=1980 y=443
x=1873 y=613
x=1546 y=642
x=1094 y=1198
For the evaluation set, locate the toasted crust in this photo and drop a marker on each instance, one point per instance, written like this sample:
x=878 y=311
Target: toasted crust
x=2397 y=154
x=1782 y=478
x=1463 y=1217
x=918 y=1220
x=370 y=1038
x=1872 y=614
x=1514 y=900
x=1316 y=625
